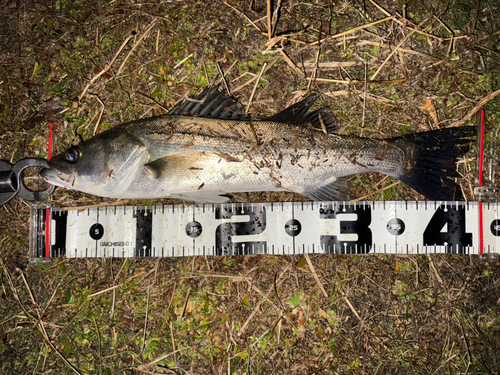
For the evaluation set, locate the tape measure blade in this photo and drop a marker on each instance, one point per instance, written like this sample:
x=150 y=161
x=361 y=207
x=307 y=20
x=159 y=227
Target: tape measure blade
x=491 y=227
x=282 y=228
x=385 y=227
x=203 y=229
x=78 y=241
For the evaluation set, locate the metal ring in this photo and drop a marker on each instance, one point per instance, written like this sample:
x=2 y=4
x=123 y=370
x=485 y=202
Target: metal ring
x=5 y=166
x=25 y=192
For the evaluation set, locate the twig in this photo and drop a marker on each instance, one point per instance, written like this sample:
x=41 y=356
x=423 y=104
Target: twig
x=185 y=304
x=291 y=63
x=275 y=17
x=273 y=61
x=315 y=69
x=223 y=276
x=157 y=41
x=330 y=64
x=269 y=27
x=223 y=78
x=117 y=286
x=452 y=36
x=438 y=277
x=391 y=54
x=404 y=22
x=350 y=31
x=474 y=110
x=375 y=192
x=478 y=3
x=362 y=322
x=160 y=358
x=333 y=80
x=365 y=89
x=314 y=273
x=135 y=46
x=41 y=325
x=255 y=88
x=153 y=100
x=147 y=306
x=55 y=291
x=180 y=62
x=261 y=301
x=244 y=15
x=107 y=66
x=405 y=50
x=100 y=114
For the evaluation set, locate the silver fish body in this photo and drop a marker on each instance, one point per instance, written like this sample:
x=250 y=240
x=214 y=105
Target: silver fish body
x=200 y=158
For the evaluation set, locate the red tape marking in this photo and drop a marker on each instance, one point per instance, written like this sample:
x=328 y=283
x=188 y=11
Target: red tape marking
x=47 y=211
x=481 y=160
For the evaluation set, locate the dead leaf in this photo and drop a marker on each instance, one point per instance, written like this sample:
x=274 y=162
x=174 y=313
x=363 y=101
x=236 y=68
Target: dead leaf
x=429 y=107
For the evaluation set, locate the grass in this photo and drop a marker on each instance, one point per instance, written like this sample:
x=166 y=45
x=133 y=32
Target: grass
x=256 y=314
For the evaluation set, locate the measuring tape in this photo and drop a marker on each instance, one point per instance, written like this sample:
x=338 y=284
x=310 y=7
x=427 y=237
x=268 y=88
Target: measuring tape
x=266 y=228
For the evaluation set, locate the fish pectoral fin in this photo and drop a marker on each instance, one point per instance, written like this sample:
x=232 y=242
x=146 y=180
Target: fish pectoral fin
x=333 y=190
x=200 y=196
x=185 y=163
x=323 y=119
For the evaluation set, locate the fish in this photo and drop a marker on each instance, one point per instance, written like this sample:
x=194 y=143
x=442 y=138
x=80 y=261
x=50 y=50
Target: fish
x=206 y=147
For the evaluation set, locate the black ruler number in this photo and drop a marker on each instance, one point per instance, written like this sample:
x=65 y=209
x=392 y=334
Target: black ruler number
x=226 y=231
x=143 y=232
x=455 y=238
x=334 y=245
x=58 y=249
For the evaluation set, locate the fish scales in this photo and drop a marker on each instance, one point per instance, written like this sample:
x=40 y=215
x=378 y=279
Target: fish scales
x=294 y=157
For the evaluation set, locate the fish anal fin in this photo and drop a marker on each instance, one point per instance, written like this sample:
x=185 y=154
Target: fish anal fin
x=333 y=190
x=200 y=196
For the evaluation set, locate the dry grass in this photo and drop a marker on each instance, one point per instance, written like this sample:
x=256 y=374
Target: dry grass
x=376 y=64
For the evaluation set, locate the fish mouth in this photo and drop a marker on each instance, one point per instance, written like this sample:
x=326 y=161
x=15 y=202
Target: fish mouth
x=57 y=177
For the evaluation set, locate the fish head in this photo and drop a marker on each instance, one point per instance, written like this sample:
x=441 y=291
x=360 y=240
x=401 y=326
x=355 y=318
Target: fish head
x=104 y=165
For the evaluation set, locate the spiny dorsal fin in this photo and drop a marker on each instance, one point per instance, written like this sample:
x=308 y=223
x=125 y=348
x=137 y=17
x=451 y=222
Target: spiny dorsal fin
x=322 y=119
x=211 y=103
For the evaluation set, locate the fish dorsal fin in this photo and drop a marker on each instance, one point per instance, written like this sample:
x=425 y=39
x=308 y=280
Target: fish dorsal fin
x=333 y=190
x=296 y=113
x=212 y=103
x=322 y=119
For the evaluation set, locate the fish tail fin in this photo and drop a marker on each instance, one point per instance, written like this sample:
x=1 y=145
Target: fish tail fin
x=434 y=162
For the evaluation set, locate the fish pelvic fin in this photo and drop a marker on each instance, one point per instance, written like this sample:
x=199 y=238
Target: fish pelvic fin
x=333 y=190
x=322 y=119
x=433 y=166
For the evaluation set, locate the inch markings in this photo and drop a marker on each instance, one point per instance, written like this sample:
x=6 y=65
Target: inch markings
x=267 y=228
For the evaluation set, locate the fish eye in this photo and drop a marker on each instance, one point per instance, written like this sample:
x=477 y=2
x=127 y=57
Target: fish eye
x=73 y=154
